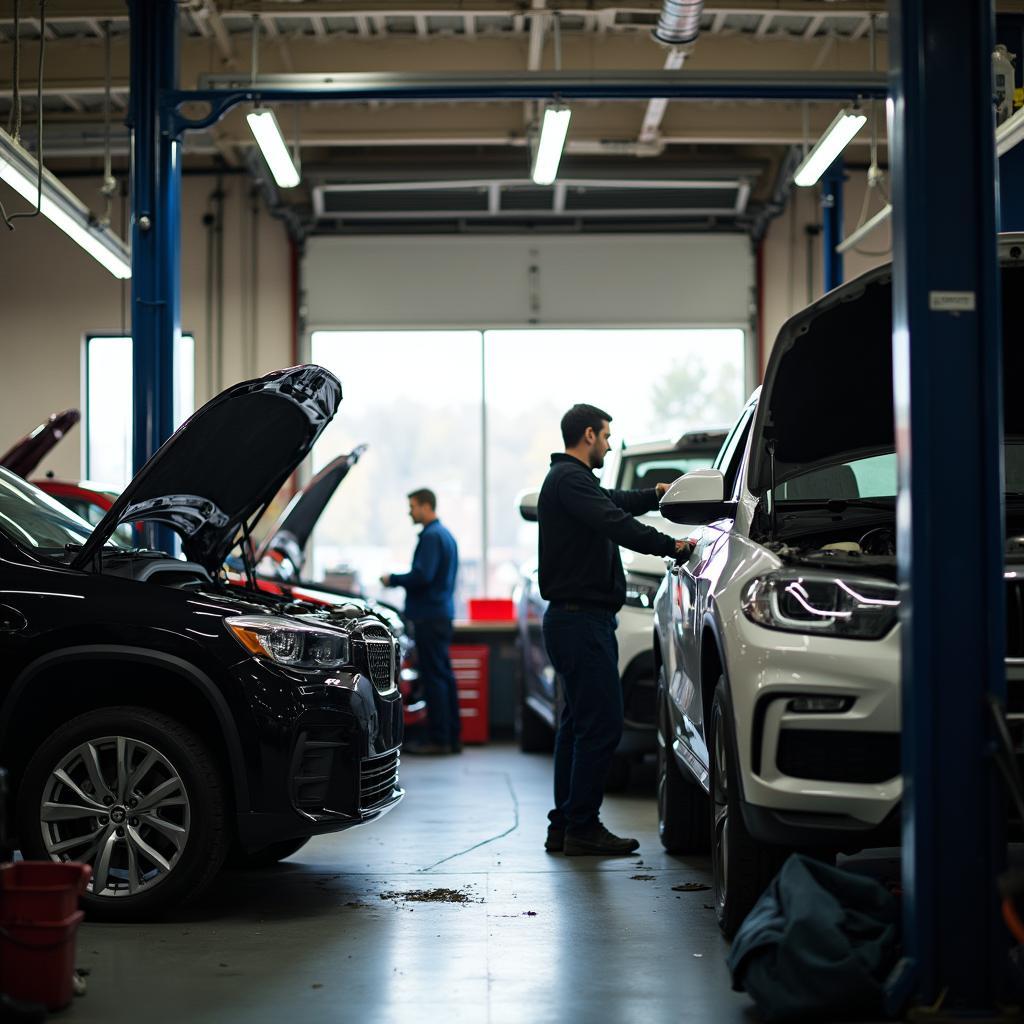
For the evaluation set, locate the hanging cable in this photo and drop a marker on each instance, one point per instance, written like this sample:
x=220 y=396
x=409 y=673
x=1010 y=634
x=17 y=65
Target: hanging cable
x=109 y=186
x=8 y=220
x=14 y=118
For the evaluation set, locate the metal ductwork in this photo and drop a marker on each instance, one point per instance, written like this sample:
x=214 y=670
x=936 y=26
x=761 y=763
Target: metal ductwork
x=679 y=22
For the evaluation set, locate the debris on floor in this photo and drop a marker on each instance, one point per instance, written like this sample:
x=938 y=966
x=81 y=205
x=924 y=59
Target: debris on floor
x=430 y=896
x=691 y=887
x=642 y=878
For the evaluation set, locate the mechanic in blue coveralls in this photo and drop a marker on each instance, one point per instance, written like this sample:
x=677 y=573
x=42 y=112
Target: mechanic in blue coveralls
x=430 y=606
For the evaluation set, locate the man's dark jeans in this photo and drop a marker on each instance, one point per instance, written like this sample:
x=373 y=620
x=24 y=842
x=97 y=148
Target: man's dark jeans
x=433 y=639
x=585 y=653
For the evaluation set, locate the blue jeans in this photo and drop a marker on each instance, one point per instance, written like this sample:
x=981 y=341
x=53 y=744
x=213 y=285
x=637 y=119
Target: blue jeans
x=585 y=653
x=433 y=638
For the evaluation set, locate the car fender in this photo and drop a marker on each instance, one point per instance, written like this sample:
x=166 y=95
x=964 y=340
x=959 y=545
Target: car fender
x=179 y=666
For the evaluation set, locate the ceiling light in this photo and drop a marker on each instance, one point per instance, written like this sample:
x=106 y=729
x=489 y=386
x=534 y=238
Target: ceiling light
x=549 y=149
x=271 y=142
x=836 y=138
x=61 y=206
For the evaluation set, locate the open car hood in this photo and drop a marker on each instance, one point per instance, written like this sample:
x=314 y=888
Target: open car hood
x=827 y=393
x=291 y=532
x=25 y=456
x=225 y=463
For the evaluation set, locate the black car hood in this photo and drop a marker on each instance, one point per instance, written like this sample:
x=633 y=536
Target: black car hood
x=226 y=462
x=291 y=532
x=25 y=456
x=827 y=392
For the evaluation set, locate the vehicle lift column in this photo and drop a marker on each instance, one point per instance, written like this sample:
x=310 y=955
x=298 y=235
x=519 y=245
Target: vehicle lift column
x=947 y=352
x=156 y=235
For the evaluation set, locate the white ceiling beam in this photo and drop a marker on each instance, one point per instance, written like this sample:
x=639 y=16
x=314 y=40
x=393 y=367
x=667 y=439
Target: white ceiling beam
x=863 y=28
x=469 y=26
x=719 y=21
x=319 y=28
x=651 y=126
x=420 y=21
x=813 y=26
x=765 y=24
x=538 y=23
x=380 y=24
x=362 y=24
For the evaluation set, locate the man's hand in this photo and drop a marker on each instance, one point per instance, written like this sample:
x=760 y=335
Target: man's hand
x=385 y=580
x=661 y=489
x=684 y=548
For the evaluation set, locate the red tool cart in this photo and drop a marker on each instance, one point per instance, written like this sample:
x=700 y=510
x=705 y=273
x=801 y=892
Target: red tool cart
x=470 y=663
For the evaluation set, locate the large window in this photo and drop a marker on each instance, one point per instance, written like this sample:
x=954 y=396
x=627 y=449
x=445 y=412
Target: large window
x=423 y=400
x=110 y=409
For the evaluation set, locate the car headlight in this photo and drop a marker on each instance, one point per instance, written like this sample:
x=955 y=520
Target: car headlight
x=808 y=602
x=641 y=590
x=288 y=643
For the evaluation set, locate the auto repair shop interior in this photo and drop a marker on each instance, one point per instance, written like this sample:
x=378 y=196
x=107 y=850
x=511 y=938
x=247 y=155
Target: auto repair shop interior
x=296 y=297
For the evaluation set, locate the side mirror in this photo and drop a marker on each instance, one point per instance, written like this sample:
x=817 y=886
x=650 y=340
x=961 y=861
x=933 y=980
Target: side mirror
x=696 y=499
x=527 y=502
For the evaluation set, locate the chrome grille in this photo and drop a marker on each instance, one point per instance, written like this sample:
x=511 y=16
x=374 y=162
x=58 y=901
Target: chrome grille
x=378 y=777
x=377 y=648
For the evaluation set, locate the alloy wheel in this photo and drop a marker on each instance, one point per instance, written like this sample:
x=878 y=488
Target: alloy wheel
x=120 y=805
x=720 y=810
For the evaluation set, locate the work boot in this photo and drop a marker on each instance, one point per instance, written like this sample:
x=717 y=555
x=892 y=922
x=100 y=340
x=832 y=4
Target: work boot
x=596 y=841
x=555 y=840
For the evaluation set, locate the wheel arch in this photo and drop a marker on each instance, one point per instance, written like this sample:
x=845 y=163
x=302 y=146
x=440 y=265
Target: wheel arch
x=201 y=705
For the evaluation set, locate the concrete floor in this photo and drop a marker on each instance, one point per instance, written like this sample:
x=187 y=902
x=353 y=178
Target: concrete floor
x=544 y=938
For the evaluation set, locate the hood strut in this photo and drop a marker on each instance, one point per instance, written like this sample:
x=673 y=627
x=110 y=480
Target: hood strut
x=773 y=513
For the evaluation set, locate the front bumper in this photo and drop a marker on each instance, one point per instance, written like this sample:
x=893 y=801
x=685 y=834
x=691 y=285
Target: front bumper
x=805 y=773
x=324 y=755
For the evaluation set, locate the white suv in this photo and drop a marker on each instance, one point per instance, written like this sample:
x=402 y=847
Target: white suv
x=777 y=643
x=636 y=466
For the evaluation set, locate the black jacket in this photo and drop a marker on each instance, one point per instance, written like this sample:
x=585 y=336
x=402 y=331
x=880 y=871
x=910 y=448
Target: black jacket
x=581 y=526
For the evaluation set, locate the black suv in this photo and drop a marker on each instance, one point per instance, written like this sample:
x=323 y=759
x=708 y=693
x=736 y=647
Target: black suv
x=154 y=718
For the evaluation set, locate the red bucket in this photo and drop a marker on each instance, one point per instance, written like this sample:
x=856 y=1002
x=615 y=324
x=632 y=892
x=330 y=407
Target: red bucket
x=41 y=891
x=37 y=960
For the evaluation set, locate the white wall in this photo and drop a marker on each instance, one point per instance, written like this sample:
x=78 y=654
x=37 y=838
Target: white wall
x=54 y=295
x=518 y=280
x=787 y=285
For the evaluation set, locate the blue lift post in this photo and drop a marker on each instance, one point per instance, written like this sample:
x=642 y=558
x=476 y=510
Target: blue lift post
x=832 y=182
x=948 y=401
x=156 y=234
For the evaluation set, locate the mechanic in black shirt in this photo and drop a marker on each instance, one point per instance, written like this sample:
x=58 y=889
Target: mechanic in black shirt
x=581 y=527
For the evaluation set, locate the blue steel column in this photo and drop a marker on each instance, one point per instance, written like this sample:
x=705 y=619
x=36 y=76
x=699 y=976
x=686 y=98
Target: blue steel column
x=948 y=396
x=1011 y=189
x=832 y=209
x=155 y=200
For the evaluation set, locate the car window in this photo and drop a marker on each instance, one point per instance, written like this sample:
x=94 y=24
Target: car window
x=728 y=461
x=34 y=519
x=645 y=471
x=92 y=514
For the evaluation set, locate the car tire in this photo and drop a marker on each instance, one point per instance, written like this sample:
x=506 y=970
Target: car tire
x=682 y=802
x=741 y=867
x=267 y=857
x=535 y=735
x=153 y=810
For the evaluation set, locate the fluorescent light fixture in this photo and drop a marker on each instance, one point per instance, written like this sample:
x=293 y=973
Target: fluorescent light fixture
x=549 y=149
x=836 y=138
x=19 y=169
x=271 y=142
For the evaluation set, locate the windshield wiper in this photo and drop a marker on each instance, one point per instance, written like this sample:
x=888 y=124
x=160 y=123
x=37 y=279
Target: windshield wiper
x=835 y=505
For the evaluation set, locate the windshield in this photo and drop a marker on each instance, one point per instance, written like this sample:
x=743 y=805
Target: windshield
x=645 y=471
x=875 y=477
x=34 y=519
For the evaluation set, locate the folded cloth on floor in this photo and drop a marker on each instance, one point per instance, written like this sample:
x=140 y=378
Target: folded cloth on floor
x=818 y=944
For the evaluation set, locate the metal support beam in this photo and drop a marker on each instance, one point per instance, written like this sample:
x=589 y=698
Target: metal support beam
x=155 y=224
x=222 y=92
x=947 y=356
x=832 y=183
x=1011 y=198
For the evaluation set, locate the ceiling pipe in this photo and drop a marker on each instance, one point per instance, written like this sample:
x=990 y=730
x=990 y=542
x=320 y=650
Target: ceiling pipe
x=678 y=27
